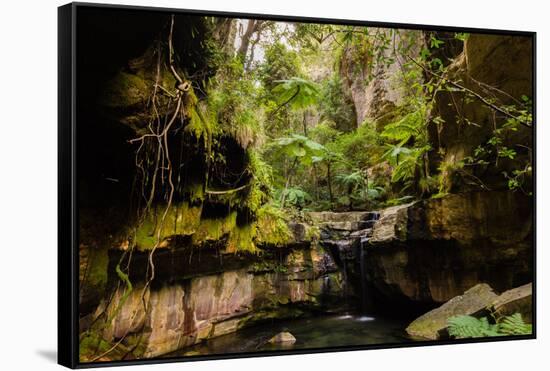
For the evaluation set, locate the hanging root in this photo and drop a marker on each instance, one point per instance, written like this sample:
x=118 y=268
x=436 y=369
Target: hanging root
x=153 y=170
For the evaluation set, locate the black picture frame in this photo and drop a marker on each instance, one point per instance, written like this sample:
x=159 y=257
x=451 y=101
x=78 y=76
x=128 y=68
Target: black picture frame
x=68 y=234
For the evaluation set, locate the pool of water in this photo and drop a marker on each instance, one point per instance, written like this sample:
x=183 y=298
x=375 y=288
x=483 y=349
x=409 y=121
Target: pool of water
x=310 y=333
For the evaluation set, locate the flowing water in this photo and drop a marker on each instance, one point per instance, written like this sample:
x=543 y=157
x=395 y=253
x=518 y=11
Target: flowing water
x=311 y=333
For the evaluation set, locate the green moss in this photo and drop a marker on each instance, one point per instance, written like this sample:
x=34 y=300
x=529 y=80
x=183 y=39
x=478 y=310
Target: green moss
x=96 y=271
x=313 y=233
x=214 y=229
x=241 y=239
x=92 y=345
x=261 y=187
x=137 y=343
x=199 y=127
x=271 y=227
x=124 y=90
x=181 y=219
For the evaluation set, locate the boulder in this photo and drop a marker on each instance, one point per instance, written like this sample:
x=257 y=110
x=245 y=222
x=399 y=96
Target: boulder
x=392 y=225
x=433 y=324
x=516 y=300
x=283 y=337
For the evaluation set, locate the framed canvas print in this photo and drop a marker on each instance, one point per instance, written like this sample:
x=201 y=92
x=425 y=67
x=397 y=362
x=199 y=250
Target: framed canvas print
x=237 y=185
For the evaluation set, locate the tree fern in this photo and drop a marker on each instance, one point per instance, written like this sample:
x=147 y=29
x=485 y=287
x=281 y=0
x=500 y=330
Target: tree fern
x=296 y=92
x=411 y=125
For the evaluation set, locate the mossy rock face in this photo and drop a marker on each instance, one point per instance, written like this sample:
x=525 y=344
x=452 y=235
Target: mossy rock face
x=268 y=230
x=93 y=348
x=94 y=263
x=126 y=90
x=432 y=324
x=126 y=96
x=272 y=229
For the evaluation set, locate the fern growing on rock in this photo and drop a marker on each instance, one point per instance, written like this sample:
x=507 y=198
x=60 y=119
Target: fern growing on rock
x=514 y=325
x=463 y=327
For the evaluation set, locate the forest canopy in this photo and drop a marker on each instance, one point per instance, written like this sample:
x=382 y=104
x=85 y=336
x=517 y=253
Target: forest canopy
x=309 y=117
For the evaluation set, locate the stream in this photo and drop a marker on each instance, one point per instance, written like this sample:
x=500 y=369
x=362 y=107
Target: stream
x=311 y=333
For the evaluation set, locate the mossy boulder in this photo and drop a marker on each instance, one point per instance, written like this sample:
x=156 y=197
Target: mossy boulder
x=432 y=325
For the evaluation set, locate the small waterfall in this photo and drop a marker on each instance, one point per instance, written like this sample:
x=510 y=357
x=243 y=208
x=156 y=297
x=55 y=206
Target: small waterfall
x=366 y=304
x=348 y=242
x=362 y=261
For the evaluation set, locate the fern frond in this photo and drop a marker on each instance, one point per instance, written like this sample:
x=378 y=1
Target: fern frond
x=514 y=325
x=462 y=327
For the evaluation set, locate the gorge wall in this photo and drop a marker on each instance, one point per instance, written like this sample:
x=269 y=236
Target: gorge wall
x=204 y=294
x=401 y=260
x=427 y=252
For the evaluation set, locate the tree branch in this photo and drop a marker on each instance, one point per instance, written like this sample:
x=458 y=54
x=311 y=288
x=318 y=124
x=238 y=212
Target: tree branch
x=478 y=96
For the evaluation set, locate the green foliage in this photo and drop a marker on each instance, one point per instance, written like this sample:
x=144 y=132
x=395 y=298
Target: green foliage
x=296 y=92
x=324 y=132
x=461 y=327
x=335 y=106
x=462 y=36
x=280 y=63
x=352 y=180
x=514 y=325
x=300 y=147
x=296 y=197
x=232 y=104
x=407 y=149
x=499 y=148
x=406 y=161
x=271 y=227
x=411 y=126
x=262 y=182
x=361 y=147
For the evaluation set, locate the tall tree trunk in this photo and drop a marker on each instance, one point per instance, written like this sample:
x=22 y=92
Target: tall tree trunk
x=252 y=26
x=350 y=192
x=367 y=185
x=329 y=182
x=316 y=182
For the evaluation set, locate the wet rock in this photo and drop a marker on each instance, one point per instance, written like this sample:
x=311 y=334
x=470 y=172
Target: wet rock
x=516 y=300
x=432 y=324
x=392 y=225
x=198 y=307
x=425 y=253
x=283 y=337
x=333 y=218
x=337 y=226
x=302 y=233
